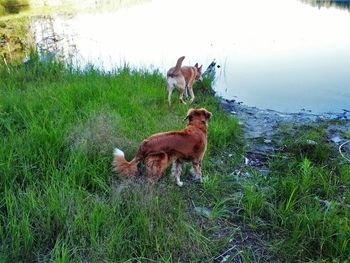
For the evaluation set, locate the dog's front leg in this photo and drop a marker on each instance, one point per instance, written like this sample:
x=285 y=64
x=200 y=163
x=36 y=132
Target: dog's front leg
x=191 y=93
x=197 y=168
x=169 y=90
x=181 y=84
x=177 y=169
x=182 y=92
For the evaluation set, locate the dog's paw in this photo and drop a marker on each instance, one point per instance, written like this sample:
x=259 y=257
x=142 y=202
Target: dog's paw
x=198 y=179
x=179 y=183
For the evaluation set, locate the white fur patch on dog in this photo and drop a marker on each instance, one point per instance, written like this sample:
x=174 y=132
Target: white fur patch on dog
x=171 y=81
x=118 y=152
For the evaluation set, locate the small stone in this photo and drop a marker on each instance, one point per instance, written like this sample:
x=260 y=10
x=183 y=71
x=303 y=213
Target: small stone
x=233 y=112
x=311 y=142
x=336 y=139
x=267 y=141
x=230 y=155
x=203 y=211
x=225 y=259
x=236 y=172
x=246 y=161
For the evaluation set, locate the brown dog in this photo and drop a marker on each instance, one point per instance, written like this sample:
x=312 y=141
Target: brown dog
x=159 y=150
x=182 y=77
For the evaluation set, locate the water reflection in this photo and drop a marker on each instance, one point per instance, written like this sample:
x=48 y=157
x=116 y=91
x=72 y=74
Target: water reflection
x=13 y=6
x=14 y=40
x=54 y=39
x=86 y=6
x=343 y=4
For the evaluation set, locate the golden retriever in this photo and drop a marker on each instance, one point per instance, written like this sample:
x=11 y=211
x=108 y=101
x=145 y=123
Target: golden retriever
x=159 y=150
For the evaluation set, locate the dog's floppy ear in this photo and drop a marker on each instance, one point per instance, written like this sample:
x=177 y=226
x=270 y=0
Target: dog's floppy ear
x=189 y=114
x=208 y=115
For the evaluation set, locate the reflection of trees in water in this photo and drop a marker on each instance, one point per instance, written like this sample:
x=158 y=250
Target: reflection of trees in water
x=343 y=4
x=12 y=6
x=52 y=39
x=50 y=34
x=14 y=40
x=78 y=6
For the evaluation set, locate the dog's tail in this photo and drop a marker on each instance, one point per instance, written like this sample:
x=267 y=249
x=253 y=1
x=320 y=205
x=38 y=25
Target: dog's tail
x=122 y=166
x=177 y=67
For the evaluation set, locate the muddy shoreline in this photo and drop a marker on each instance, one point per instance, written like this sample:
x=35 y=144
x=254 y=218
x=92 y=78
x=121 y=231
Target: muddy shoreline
x=261 y=129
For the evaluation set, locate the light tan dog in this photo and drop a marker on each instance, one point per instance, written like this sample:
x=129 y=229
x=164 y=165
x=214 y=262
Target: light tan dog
x=182 y=78
x=159 y=150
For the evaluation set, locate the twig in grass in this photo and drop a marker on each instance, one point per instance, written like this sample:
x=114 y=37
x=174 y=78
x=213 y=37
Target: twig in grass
x=340 y=151
x=223 y=254
x=9 y=50
x=7 y=66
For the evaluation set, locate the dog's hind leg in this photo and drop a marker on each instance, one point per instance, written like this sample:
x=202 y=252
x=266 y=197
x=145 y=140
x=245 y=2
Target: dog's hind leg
x=177 y=169
x=169 y=90
x=155 y=165
x=197 y=170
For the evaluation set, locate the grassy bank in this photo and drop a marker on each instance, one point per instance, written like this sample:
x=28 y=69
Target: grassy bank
x=60 y=201
x=302 y=206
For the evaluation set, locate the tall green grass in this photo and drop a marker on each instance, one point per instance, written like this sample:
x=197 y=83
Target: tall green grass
x=60 y=201
x=303 y=205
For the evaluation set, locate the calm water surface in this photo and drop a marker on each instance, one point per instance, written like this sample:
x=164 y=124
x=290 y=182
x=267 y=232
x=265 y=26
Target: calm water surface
x=282 y=55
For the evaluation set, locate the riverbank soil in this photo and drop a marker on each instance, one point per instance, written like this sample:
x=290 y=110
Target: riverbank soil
x=263 y=130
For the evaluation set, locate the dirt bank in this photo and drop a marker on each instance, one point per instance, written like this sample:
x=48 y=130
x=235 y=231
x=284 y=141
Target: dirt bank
x=262 y=129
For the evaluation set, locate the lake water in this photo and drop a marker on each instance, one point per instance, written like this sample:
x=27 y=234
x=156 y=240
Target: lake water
x=283 y=55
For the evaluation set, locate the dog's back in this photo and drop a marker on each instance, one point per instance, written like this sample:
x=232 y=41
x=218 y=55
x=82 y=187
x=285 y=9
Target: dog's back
x=182 y=144
x=189 y=73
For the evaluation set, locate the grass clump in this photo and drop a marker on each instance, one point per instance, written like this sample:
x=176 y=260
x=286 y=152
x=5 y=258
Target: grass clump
x=303 y=205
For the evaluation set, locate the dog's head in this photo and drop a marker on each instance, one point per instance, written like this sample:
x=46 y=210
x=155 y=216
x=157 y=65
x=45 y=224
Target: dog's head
x=198 y=72
x=201 y=115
